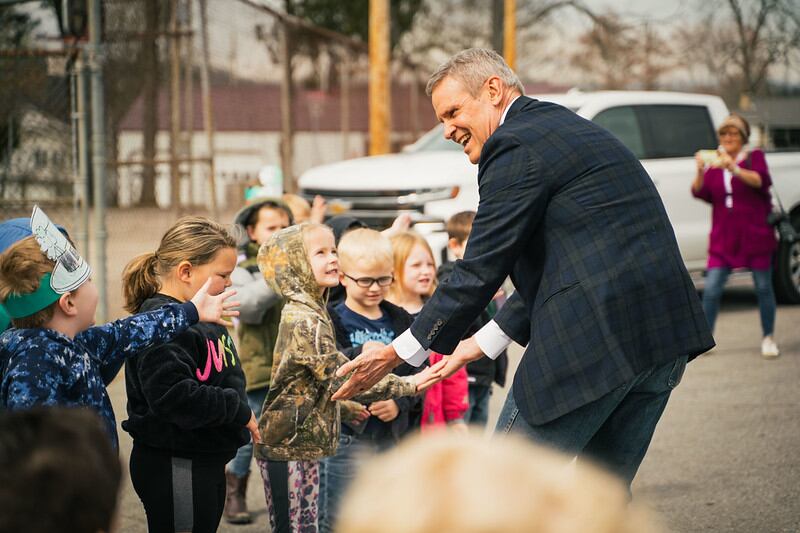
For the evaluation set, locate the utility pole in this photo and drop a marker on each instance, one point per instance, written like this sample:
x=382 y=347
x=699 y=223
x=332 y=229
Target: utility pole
x=379 y=88
x=413 y=104
x=344 y=80
x=150 y=107
x=208 y=119
x=510 y=33
x=189 y=97
x=96 y=58
x=175 y=107
x=287 y=126
x=80 y=153
x=497 y=25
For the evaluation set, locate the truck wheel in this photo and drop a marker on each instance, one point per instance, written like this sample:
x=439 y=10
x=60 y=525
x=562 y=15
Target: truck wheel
x=786 y=276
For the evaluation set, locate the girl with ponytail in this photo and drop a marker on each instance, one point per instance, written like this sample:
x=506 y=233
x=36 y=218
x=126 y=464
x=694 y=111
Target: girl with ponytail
x=187 y=408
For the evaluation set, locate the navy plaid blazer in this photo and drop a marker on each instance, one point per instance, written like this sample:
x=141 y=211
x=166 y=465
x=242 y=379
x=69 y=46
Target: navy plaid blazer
x=602 y=292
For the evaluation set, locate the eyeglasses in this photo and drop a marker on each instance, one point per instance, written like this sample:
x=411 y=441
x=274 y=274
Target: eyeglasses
x=366 y=283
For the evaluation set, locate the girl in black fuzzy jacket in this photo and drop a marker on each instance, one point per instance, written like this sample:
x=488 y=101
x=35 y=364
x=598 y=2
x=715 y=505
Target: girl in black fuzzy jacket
x=187 y=408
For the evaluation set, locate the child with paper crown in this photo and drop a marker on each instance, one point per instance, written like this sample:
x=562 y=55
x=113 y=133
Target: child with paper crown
x=53 y=354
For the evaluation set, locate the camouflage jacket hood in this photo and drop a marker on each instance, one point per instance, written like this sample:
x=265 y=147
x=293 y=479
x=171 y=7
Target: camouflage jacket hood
x=299 y=420
x=283 y=261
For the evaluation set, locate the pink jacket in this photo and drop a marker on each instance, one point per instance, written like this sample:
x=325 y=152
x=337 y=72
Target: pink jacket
x=446 y=401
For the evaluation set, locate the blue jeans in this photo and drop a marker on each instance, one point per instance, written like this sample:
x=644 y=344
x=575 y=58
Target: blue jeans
x=240 y=465
x=715 y=282
x=614 y=430
x=478 y=412
x=336 y=473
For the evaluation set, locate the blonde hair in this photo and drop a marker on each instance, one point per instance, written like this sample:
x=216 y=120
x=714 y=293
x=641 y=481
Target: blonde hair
x=299 y=206
x=468 y=484
x=402 y=245
x=308 y=227
x=365 y=248
x=22 y=266
x=193 y=239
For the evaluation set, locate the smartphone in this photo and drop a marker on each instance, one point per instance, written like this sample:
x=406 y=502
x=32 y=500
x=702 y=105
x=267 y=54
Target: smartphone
x=710 y=158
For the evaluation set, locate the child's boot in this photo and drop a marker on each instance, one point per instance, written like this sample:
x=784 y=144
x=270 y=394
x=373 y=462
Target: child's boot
x=236 y=499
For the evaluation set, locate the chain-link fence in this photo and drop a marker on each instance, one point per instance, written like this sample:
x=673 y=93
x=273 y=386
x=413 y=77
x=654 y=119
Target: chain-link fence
x=196 y=105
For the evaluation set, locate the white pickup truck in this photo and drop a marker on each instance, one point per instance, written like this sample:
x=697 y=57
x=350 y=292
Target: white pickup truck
x=432 y=179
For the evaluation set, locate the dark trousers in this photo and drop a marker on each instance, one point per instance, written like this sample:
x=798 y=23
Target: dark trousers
x=478 y=412
x=178 y=494
x=614 y=430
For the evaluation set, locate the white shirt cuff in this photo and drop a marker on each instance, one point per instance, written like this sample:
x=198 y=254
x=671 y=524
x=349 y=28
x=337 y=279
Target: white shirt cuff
x=409 y=349
x=492 y=340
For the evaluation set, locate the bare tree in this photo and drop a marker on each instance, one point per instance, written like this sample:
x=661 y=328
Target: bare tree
x=607 y=52
x=619 y=54
x=655 y=57
x=444 y=27
x=738 y=43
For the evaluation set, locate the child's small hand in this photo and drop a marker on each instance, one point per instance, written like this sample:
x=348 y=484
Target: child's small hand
x=213 y=308
x=318 y=208
x=430 y=376
x=400 y=224
x=353 y=412
x=386 y=410
x=252 y=427
x=361 y=416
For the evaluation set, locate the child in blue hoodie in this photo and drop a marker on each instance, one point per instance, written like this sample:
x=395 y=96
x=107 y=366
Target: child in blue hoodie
x=53 y=354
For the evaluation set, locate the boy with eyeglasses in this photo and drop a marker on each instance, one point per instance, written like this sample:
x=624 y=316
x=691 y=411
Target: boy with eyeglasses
x=364 y=318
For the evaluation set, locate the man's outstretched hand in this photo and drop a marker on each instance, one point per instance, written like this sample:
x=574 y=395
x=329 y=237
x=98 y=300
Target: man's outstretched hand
x=466 y=352
x=368 y=369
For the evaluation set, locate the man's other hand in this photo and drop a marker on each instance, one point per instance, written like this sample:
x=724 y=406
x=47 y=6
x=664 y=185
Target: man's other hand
x=368 y=369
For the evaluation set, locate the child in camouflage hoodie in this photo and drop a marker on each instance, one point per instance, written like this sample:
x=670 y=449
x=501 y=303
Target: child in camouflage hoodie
x=259 y=317
x=299 y=422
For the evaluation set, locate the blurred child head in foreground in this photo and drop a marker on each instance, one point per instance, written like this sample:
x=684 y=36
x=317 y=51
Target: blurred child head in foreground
x=468 y=484
x=58 y=471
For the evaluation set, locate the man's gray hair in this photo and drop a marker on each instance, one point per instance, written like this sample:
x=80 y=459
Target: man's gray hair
x=473 y=67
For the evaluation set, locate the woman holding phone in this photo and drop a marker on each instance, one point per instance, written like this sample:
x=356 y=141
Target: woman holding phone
x=736 y=182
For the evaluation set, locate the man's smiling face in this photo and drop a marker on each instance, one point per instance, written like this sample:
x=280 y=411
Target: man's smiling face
x=468 y=120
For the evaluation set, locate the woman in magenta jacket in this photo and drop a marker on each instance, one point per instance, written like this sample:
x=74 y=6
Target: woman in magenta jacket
x=736 y=183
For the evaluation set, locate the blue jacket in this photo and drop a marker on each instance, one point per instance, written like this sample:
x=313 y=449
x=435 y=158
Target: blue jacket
x=602 y=292
x=44 y=367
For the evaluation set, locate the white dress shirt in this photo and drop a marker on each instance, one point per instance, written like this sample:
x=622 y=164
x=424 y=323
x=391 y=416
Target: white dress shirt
x=490 y=338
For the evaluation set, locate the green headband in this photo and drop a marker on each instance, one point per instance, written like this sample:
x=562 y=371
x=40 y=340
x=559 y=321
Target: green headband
x=5 y=320
x=22 y=305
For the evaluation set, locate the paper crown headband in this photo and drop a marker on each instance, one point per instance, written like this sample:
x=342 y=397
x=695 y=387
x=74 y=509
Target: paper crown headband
x=69 y=273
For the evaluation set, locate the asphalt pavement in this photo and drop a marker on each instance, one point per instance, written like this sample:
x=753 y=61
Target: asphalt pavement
x=725 y=456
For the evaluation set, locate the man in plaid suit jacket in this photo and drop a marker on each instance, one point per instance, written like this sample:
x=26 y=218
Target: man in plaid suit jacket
x=603 y=302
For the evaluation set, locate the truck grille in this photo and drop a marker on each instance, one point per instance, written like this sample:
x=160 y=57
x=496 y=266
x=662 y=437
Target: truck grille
x=380 y=208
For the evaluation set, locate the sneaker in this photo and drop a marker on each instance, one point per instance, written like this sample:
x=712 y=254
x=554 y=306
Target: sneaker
x=769 y=349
